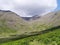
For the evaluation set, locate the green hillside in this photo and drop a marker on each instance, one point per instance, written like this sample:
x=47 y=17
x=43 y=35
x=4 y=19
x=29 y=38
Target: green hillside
x=48 y=38
x=12 y=24
x=13 y=27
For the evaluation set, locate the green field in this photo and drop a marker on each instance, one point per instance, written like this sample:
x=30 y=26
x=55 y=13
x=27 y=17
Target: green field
x=49 y=38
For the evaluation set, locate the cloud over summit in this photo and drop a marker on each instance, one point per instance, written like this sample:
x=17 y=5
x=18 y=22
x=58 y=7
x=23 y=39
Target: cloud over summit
x=28 y=8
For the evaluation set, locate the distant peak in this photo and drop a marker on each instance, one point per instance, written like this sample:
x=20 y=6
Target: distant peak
x=31 y=18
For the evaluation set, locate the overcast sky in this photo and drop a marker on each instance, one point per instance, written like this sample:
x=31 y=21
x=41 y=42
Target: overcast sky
x=28 y=8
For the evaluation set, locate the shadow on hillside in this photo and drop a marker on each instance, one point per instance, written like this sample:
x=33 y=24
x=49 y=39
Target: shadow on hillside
x=17 y=37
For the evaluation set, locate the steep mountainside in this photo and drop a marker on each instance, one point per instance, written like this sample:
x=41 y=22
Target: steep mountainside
x=12 y=25
x=52 y=19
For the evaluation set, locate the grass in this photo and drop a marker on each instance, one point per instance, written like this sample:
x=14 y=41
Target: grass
x=50 y=38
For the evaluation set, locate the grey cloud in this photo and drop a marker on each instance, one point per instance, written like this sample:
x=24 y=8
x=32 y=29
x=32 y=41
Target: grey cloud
x=26 y=8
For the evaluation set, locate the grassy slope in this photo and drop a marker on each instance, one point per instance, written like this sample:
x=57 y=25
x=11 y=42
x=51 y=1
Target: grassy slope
x=51 y=38
x=11 y=24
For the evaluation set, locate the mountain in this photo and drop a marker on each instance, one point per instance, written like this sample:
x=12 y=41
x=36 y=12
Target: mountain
x=51 y=19
x=31 y=18
x=12 y=25
x=26 y=18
